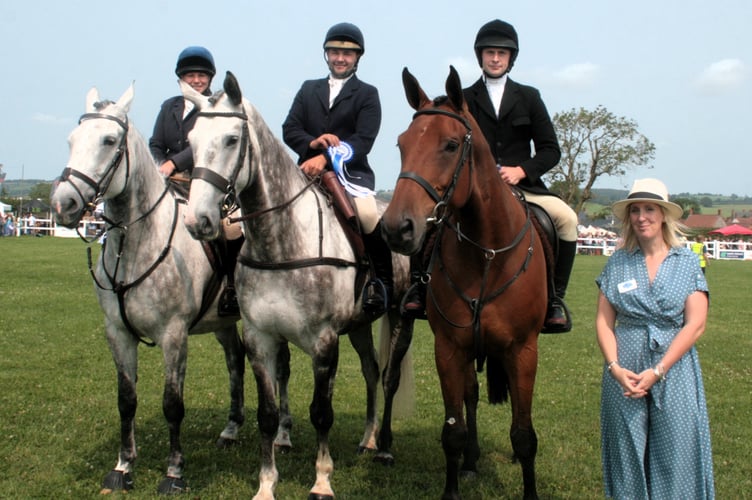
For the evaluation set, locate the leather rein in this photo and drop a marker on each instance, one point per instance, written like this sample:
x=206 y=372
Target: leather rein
x=229 y=204
x=119 y=288
x=441 y=214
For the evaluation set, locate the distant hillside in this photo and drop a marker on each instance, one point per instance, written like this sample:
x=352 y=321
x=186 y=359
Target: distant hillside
x=16 y=188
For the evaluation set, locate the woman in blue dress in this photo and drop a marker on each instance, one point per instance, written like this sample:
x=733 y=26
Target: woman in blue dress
x=652 y=308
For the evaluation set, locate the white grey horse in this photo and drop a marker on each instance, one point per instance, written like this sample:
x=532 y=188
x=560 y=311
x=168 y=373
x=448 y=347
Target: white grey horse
x=154 y=282
x=297 y=278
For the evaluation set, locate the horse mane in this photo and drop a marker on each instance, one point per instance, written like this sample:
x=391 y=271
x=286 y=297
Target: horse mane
x=139 y=147
x=275 y=149
x=100 y=105
x=216 y=96
x=439 y=100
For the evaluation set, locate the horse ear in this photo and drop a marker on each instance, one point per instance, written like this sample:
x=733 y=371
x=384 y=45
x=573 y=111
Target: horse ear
x=196 y=98
x=454 y=89
x=232 y=88
x=92 y=96
x=415 y=95
x=125 y=100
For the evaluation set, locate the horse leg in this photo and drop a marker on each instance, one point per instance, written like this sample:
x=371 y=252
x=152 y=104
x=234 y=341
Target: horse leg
x=401 y=335
x=362 y=341
x=124 y=350
x=175 y=354
x=325 y=361
x=471 y=453
x=235 y=361
x=452 y=367
x=282 y=442
x=263 y=355
x=522 y=434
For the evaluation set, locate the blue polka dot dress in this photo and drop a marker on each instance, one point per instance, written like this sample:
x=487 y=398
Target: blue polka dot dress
x=657 y=447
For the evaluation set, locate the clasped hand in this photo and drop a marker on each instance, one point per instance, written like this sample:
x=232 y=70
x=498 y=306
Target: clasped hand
x=635 y=385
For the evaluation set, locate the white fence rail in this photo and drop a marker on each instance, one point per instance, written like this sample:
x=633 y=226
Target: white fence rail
x=722 y=250
x=46 y=227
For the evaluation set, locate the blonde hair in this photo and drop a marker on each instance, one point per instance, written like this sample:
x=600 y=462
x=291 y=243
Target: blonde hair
x=671 y=228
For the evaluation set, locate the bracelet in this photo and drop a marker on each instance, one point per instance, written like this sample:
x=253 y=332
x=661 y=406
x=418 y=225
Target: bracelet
x=611 y=365
x=659 y=371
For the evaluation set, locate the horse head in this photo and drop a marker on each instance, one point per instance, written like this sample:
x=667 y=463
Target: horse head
x=98 y=148
x=436 y=173
x=220 y=142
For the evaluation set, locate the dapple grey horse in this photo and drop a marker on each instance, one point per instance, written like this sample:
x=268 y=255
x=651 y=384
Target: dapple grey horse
x=154 y=282
x=297 y=278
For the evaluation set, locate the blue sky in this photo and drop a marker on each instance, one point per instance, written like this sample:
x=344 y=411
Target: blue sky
x=680 y=69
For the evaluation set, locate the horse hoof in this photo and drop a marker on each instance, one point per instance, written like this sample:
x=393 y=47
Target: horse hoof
x=282 y=449
x=116 y=480
x=319 y=496
x=225 y=443
x=362 y=450
x=386 y=459
x=172 y=486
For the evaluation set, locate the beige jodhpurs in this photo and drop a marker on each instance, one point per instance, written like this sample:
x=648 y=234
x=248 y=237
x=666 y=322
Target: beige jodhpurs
x=368 y=213
x=562 y=215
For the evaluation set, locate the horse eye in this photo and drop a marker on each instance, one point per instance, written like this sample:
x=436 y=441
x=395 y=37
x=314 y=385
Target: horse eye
x=109 y=141
x=231 y=140
x=452 y=146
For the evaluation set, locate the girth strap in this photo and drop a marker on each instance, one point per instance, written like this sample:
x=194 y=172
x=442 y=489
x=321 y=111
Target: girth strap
x=296 y=264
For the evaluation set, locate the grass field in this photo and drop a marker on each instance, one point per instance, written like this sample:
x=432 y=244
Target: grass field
x=59 y=421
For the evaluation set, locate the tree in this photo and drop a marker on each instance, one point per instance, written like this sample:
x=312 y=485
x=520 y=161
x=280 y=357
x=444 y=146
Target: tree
x=689 y=205
x=593 y=144
x=41 y=191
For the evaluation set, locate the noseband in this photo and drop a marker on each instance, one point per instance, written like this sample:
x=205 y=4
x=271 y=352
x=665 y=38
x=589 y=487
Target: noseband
x=226 y=186
x=467 y=145
x=100 y=188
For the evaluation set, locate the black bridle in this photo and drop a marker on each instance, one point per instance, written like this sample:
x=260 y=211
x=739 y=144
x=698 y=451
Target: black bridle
x=230 y=204
x=225 y=185
x=467 y=146
x=439 y=217
x=101 y=187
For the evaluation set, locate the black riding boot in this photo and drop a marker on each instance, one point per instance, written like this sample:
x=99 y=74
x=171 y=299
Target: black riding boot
x=414 y=302
x=228 y=301
x=558 y=319
x=378 y=291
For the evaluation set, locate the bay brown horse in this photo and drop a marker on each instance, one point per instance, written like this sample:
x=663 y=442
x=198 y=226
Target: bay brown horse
x=487 y=295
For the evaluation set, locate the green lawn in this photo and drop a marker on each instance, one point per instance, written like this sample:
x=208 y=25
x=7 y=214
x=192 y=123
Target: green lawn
x=59 y=421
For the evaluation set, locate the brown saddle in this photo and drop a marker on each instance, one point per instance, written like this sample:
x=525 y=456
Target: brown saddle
x=547 y=231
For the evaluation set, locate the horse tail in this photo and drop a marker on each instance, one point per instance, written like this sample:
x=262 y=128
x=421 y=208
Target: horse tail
x=498 y=381
x=403 y=404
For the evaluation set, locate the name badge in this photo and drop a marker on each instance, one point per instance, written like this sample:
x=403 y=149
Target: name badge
x=627 y=286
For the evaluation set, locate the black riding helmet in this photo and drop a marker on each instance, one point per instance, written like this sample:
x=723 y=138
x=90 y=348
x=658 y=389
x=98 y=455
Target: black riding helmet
x=345 y=36
x=497 y=34
x=195 y=58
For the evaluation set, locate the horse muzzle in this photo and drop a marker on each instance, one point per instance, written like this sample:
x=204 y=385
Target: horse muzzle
x=201 y=227
x=403 y=235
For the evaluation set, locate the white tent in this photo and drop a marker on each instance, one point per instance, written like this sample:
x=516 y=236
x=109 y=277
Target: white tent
x=5 y=208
